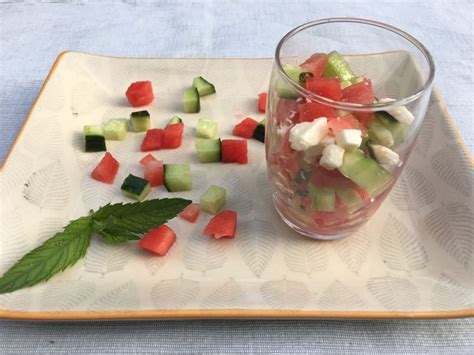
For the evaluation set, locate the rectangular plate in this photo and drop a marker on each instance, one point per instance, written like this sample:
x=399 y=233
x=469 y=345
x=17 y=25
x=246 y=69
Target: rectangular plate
x=412 y=260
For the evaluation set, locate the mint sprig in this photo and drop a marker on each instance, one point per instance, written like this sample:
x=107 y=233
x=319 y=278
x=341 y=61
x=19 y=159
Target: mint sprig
x=114 y=223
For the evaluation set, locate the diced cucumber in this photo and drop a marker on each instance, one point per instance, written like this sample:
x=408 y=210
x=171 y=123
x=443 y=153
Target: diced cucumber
x=135 y=187
x=380 y=134
x=213 y=199
x=94 y=138
x=191 y=101
x=174 y=120
x=305 y=75
x=338 y=67
x=207 y=128
x=259 y=133
x=398 y=129
x=209 y=150
x=350 y=198
x=116 y=129
x=284 y=90
x=177 y=177
x=203 y=86
x=140 y=121
x=365 y=172
x=323 y=198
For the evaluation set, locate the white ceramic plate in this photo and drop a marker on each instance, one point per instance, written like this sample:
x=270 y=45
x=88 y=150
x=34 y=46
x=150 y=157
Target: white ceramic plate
x=412 y=260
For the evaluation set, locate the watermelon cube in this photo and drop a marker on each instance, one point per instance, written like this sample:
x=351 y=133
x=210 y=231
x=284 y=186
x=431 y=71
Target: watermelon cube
x=245 y=128
x=234 y=151
x=106 y=170
x=172 y=136
x=153 y=140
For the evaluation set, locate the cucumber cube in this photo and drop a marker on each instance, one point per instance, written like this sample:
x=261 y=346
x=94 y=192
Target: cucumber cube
x=207 y=128
x=177 y=177
x=93 y=130
x=208 y=150
x=350 y=198
x=213 y=200
x=191 y=101
x=135 y=187
x=203 y=86
x=259 y=133
x=140 y=121
x=284 y=90
x=380 y=134
x=174 y=120
x=398 y=129
x=323 y=198
x=116 y=129
x=338 y=67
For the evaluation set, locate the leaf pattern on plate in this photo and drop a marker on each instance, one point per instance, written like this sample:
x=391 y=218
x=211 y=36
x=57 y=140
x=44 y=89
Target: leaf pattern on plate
x=354 y=251
x=400 y=249
x=94 y=193
x=122 y=297
x=229 y=295
x=338 y=296
x=48 y=187
x=285 y=294
x=425 y=137
x=452 y=228
x=449 y=294
x=87 y=97
x=49 y=227
x=239 y=197
x=174 y=294
x=256 y=241
x=65 y=295
x=46 y=138
x=305 y=255
x=14 y=175
x=21 y=300
x=104 y=258
x=12 y=239
x=412 y=190
x=452 y=166
x=264 y=188
x=203 y=253
x=394 y=294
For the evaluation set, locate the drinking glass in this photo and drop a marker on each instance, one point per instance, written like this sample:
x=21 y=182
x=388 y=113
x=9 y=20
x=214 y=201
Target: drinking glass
x=330 y=204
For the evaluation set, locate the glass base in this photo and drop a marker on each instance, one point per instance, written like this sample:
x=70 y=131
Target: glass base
x=305 y=232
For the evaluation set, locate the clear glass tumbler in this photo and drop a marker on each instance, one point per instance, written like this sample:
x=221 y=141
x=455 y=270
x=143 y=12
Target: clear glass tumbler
x=346 y=101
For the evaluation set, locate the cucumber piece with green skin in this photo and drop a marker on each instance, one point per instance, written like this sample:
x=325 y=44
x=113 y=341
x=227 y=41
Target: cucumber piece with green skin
x=140 y=121
x=174 y=120
x=209 y=150
x=213 y=200
x=207 y=128
x=203 y=86
x=398 y=129
x=94 y=139
x=337 y=66
x=116 y=129
x=135 y=187
x=177 y=177
x=350 y=198
x=259 y=133
x=191 y=101
x=323 y=198
x=283 y=89
x=380 y=134
x=365 y=172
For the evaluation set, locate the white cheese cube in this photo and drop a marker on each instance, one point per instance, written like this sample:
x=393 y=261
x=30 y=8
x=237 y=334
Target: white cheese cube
x=385 y=155
x=308 y=134
x=332 y=157
x=349 y=138
x=401 y=114
x=316 y=150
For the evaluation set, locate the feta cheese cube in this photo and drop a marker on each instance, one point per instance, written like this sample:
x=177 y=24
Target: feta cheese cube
x=385 y=155
x=316 y=150
x=401 y=114
x=332 y=157
x=349 y=138
x=308 y=134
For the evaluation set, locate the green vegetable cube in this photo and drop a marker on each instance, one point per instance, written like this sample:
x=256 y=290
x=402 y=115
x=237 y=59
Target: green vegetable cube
x=208 y=150
x=207 y=128
x=213 y=200
x=140 y=121
x=116 y=129
x=135 y=187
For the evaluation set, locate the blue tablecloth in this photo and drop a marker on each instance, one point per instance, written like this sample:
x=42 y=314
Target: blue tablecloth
x=33 y=34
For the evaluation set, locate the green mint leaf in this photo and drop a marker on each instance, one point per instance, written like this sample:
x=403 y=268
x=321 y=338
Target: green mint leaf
x=122 y=222
x=55 y=255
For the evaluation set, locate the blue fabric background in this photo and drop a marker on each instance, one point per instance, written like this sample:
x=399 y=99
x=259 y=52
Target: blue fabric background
x=32 y=34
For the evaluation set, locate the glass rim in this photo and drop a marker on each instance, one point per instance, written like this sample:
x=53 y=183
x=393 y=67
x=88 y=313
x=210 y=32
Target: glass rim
x=348 y=105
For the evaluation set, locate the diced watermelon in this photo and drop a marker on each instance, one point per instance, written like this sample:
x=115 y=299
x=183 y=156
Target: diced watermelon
x=158 y=240
x=234 y=151
x=286 y=112
x=327 y=87
x=360 y=93
x=323 y=177
x=147 y=158
x=222 y=225
x=140 y=93
x=153 y=140
x=106 y=170
x=308 y=112
x=245 y=128
x=191 y=212
x=154 y=173
x=345 y=122
x=364 y=118
x=173 y=136
x=262 y=102
x=315 y=64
